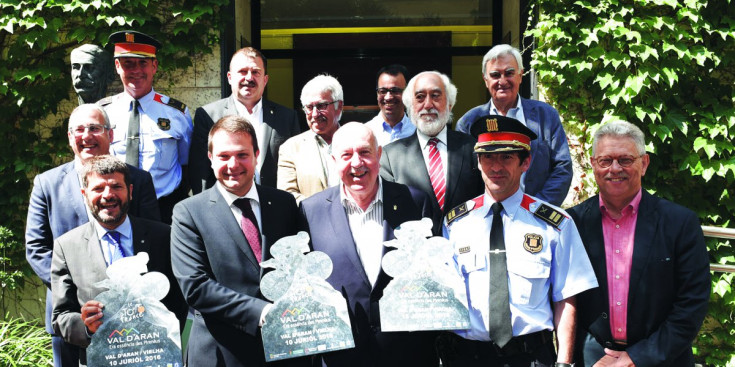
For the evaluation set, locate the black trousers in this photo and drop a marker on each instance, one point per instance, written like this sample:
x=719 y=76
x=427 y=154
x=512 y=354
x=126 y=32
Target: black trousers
x=533 y=350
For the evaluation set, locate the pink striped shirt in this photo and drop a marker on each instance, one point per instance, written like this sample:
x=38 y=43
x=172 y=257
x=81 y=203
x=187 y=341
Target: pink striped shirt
x=619 y=238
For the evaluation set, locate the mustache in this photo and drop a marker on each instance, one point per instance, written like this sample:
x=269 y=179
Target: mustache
x=432 y=111
x=249 y=84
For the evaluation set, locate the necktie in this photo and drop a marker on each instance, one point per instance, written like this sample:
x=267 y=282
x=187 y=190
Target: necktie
x=114 y=238
x=436 y=172
x=132 y=144
x=499 y=321
x=249 y=225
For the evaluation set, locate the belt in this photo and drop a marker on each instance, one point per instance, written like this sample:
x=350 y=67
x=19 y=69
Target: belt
x=524 y=343
x=528 y=344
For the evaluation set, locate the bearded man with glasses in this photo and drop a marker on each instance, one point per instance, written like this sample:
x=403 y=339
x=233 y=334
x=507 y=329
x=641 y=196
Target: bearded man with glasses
x=650 y=260
x=304 y=163
x=57 y=205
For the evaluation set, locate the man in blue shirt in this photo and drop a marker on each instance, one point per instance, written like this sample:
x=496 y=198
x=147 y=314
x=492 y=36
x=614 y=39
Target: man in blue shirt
x=550 y=174
x=391 y=123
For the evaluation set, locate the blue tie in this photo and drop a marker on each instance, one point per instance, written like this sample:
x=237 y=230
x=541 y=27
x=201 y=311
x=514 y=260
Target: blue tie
x=118 y=253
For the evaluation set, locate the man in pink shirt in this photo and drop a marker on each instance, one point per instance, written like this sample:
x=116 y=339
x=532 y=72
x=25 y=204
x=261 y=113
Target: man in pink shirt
x=650 y=260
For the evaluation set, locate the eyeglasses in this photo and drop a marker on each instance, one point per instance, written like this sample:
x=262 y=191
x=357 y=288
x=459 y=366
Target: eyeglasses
x=93 y=129
x=605 y=162
x=319 y=106
x=508 y=73
x=394 y=91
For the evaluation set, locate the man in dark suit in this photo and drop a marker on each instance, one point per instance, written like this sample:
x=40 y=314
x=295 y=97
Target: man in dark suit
x=550 y=174
x=273 y=123
x=218 y=239
x=453 y=177
x=81 y=256
x=649 y=257
x=349 y=222
x=57 y=205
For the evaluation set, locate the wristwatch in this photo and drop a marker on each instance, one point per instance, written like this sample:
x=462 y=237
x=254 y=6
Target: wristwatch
x=560 y=364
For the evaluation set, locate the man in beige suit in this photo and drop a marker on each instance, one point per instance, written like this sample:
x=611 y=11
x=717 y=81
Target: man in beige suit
x=304 y=163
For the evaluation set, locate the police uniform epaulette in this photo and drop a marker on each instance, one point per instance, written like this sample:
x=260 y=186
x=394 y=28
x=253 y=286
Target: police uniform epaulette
x=105 y=101
x=549 y=215
x=173 y=103
x=463 y=209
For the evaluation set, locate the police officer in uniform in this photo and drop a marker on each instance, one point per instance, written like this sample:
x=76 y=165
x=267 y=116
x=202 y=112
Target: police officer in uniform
x=152 y=131
x=521 y=258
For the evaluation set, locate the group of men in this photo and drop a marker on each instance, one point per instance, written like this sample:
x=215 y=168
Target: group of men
x=545 y=287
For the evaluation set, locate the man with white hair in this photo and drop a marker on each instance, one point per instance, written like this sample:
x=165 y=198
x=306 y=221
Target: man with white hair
x=304 y=163
x=550 y=174
x=437 y=160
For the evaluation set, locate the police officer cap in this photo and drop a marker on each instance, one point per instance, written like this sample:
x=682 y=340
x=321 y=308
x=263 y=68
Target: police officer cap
x=496 y=133
x=134 y=44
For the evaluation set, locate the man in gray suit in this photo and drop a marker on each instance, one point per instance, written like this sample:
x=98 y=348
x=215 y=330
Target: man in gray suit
x=57 y=205
x=435 y=159
x=273 y=123
x=218 y=239
x=81 y=256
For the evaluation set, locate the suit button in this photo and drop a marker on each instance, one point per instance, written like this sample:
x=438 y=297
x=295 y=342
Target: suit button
x=604 y=315
x=608 y=344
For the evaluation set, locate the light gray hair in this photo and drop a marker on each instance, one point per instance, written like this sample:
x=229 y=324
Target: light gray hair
x=90 y=106
x=620 y=129
x=502 y=50
x=323 y=83
x=449 y=88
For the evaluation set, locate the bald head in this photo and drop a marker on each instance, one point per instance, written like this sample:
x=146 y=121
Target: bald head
x=357 y=160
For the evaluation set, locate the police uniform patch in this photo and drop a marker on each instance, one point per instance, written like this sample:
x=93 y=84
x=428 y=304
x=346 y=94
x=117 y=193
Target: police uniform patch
x=104 y=101
x=177 y=104
x=164 y=124
x=533 y=243
x=549 y=215
x=464 y=250
x=459 y=211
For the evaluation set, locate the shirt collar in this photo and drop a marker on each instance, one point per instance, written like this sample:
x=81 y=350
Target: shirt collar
x=243 y=111
x=125 y=229
x=494 y=110
x=230 y=197
x=424 y=139
x=347 y=200
x=399 y=126
x=510 y=204
x=631 y=208
x=144 y=101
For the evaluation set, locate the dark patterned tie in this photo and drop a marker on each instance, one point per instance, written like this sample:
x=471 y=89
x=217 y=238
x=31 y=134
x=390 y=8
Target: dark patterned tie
x=114 y=238
x=249 y=225
x=499 y=320
x=132 y=144
x=436 y=172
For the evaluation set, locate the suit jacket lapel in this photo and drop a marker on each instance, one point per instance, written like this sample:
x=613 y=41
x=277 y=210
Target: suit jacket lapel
x=391 y=204
x=220 y=209
x=532 y=122
x=312 y=149
x=416 y=166
x=341 y=227
x=596 y=243
x=140 y=234
x=74 y=198
x=268 y=121
x=456 y=161
x=645 y=230
x=97 y=263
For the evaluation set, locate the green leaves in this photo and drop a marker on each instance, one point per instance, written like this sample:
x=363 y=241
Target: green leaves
x=668 y=67
x=36 y=38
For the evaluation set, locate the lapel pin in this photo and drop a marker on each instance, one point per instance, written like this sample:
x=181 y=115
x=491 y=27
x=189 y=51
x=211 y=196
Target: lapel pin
x=395 y=207
x=269 y=203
